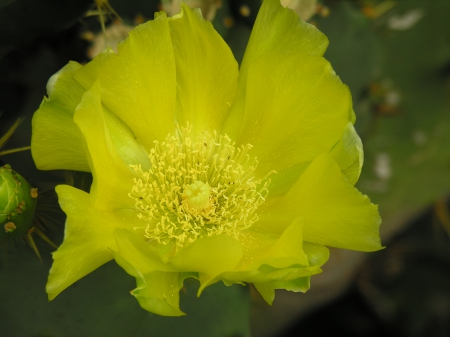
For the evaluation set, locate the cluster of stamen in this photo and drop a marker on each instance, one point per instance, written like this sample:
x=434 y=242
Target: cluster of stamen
x=197 y=188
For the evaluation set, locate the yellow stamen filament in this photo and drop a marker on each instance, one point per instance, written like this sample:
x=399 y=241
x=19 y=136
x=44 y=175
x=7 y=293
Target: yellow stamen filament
x=197 y=188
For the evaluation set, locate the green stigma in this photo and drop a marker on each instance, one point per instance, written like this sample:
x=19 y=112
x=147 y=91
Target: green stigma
x=197 y=195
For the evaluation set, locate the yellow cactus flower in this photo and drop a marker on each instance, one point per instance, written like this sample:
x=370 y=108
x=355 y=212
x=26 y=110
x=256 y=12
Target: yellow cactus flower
x=201 y=169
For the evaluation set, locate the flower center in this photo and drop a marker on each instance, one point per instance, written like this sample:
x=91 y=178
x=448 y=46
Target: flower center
x=196 y=195
x=196 y=188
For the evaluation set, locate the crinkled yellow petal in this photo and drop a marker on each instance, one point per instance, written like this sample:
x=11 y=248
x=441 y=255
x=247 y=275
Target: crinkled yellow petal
x=287 y=274
x=317 y=256
x=133 y=248
x=293 y=113
x=348 y=154
x=139 y=84
x=207 y=72
x=210 y=257
x=277 y=30
x=288 y=250
x=286 y=269
x=335 y=213
x=56 y=142
x=87 y=242
x=281 y=252
x=113 y=178
x=300 y=284
x=159 y=292
x=243 y=277
x=267 y=290
x=158 y=282
x=267 y=274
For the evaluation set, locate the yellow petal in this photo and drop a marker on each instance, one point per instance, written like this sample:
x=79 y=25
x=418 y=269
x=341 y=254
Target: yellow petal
x=88 y=239
x=56 y=142
x=336 y=214
x=276 y=30
x=280 y=30
x=158 y=284
x=348 y=154
x=63 y=87
x=267 y=289
x=113 y=178
x=288 y=250
x=124 y=141
x=267 y=274
x=133 y=248
x=281 y=252
x=271 y=264
x=299 y=284
x=139 y=84
x=159 y=292
x=294 y=112
x=206 y=72
x=317 y=256
x=209 y=255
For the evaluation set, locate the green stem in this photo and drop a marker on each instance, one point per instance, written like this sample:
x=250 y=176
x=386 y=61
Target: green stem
x=2 y=153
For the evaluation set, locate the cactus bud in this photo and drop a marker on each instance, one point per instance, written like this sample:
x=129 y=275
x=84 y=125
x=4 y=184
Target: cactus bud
x=17 y=204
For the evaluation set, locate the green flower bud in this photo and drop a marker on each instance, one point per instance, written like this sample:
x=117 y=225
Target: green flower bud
x=17 y=204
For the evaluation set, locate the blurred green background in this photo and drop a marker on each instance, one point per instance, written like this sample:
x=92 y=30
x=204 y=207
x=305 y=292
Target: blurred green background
x=394 y=56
